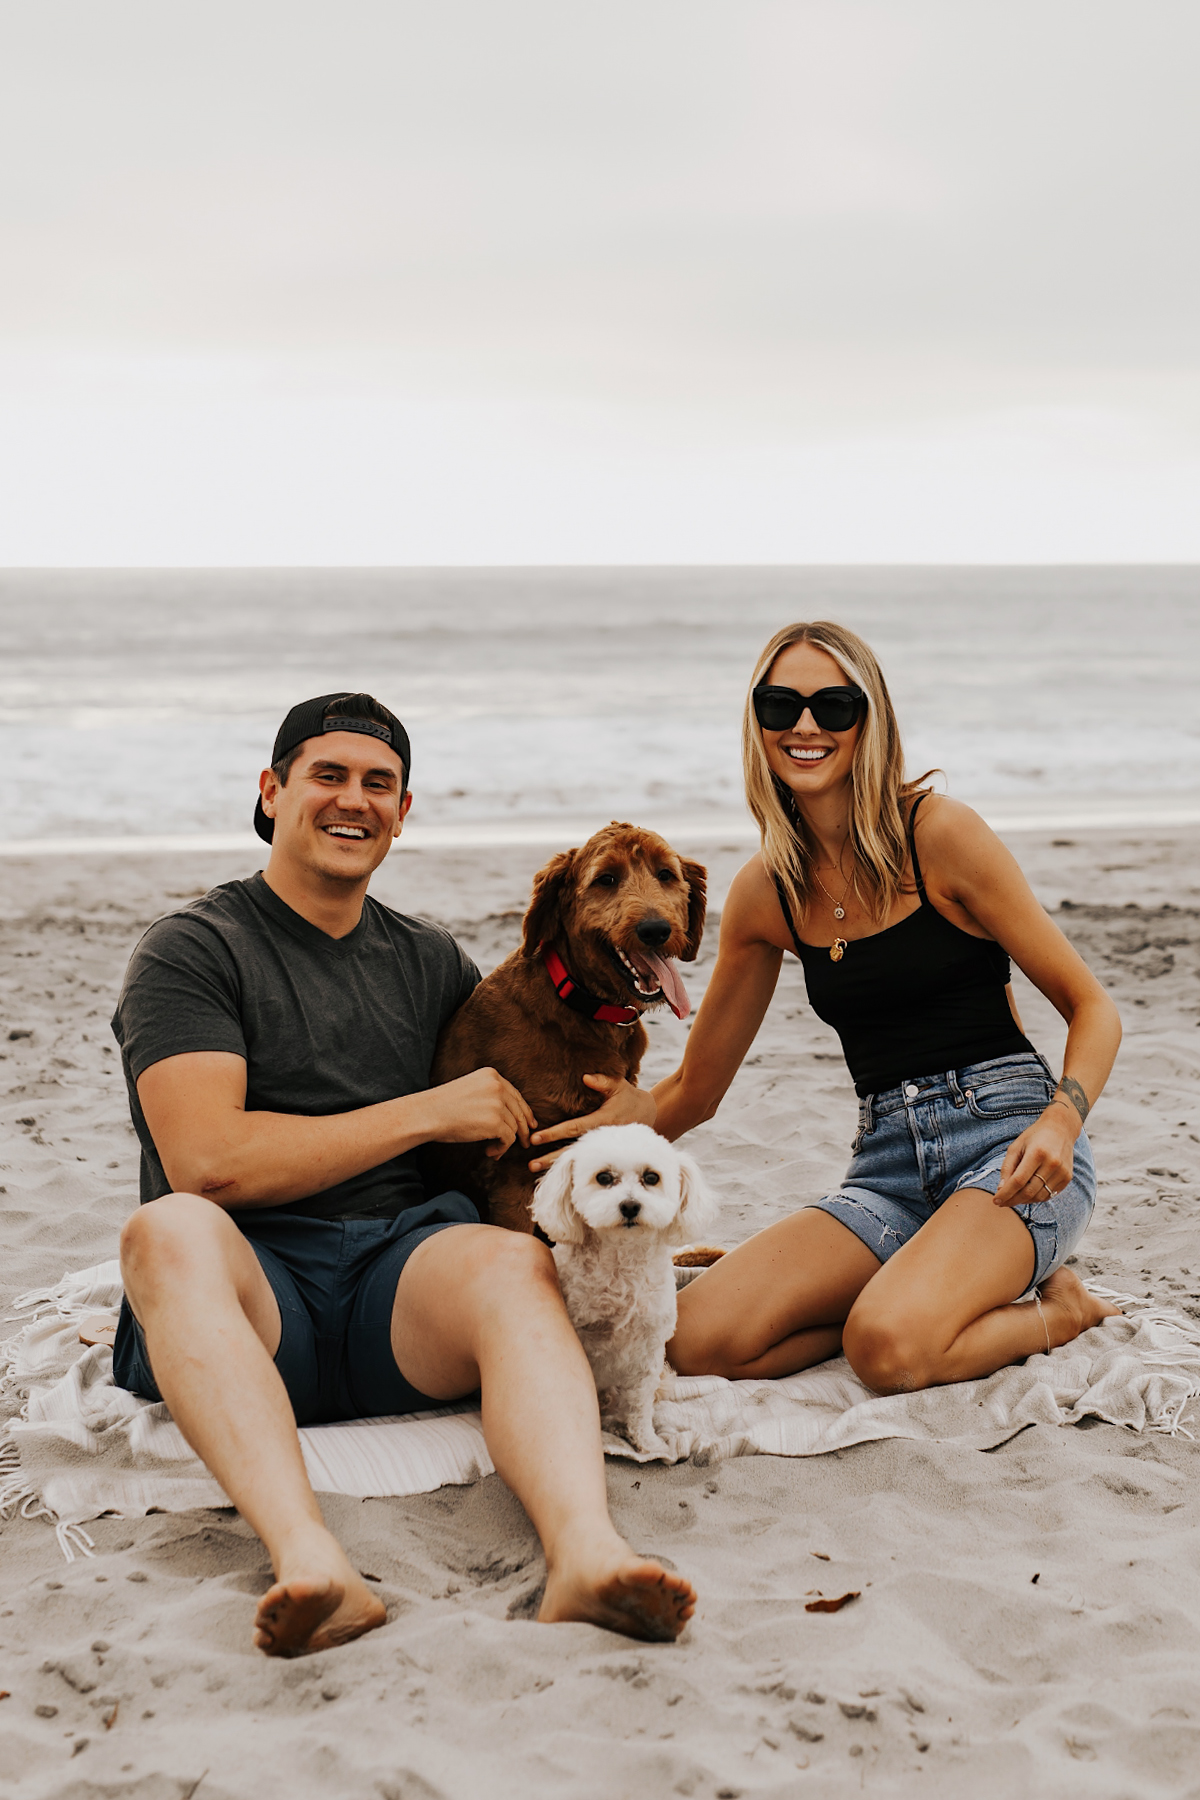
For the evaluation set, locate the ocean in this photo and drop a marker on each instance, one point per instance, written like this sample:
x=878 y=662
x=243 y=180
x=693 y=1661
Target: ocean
x=143 y=704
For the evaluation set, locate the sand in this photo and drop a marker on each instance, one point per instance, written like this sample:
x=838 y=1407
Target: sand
x=1030 y=1618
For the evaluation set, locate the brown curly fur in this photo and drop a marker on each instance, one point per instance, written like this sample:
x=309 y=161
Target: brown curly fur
x=515 y=1022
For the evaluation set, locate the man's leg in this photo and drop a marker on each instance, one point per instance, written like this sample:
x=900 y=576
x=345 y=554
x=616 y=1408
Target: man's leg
x=480 y=1307
x=212 y=1326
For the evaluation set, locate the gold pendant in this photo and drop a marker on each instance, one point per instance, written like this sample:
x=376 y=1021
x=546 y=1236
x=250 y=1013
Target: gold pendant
x=837 y=949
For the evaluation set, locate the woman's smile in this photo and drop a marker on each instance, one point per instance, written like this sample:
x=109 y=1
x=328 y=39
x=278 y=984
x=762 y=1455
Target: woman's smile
x=808 y=753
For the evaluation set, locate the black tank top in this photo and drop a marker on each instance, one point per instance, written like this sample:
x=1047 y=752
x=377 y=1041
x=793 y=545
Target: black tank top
x=917 y=999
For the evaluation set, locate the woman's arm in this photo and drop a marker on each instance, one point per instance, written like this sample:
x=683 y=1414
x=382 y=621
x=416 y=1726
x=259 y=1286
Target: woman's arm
x=731 y=1012
x=975 y=881
x=725 y=1027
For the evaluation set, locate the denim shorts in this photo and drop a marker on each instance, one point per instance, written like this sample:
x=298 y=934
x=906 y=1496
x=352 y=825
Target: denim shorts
x=922 y=1141
x=335 y=1281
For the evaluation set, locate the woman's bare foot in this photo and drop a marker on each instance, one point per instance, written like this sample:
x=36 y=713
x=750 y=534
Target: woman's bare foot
x=1069 y=1309
x=318 y=1602
x=620 y=1590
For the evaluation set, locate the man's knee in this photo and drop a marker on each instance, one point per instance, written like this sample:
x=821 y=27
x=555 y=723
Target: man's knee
x=164 y=1236
x=506 y=1268
x=517 y=1256
x=889 y=1354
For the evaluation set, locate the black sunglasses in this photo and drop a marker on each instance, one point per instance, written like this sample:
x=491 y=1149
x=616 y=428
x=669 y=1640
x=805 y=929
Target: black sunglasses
x=833 y=708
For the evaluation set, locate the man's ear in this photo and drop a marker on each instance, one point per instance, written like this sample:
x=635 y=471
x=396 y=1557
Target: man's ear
x=268 y=788
x=544 y=908
x=696 y=876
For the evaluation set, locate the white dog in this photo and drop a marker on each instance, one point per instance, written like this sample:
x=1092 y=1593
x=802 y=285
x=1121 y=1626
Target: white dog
x=614 y=1204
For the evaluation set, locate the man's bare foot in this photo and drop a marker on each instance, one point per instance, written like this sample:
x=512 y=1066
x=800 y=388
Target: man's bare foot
x=1069 y=1309
x=318 y=1602
x=621 y=1591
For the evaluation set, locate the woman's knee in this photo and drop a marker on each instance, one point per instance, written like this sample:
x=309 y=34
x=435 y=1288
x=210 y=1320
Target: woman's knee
x=888 y=1353
x=698 y=1347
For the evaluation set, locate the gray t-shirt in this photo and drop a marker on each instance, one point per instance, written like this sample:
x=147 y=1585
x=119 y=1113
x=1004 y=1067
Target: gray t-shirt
x=325 y=1025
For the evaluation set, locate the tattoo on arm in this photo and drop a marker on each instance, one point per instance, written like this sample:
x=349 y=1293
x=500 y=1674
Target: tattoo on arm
x=1070 y=1089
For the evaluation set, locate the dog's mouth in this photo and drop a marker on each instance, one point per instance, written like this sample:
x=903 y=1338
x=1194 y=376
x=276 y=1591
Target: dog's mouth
x=653 y=978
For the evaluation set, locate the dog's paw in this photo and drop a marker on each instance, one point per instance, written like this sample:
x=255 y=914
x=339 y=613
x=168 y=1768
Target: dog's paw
x=656 y=1447
x=646 y=1441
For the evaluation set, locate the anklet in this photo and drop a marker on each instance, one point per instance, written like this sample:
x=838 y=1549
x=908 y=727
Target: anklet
x=1037 y=1301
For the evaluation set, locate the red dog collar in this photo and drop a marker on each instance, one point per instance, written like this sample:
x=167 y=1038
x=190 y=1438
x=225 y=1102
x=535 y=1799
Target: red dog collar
x=578 y=998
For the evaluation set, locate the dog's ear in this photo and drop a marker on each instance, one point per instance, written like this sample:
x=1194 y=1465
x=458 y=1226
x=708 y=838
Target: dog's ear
x=696 y=876
x=546 y=904
x=697 y=1203
x=552 y=1208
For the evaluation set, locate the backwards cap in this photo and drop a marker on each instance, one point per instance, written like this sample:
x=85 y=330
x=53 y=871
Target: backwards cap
x=308 y=720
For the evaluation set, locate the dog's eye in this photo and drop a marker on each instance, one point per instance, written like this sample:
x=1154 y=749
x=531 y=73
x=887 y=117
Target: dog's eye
x=608 y=879
x=650 y=1177
x=605 y=1178
x=667 y=875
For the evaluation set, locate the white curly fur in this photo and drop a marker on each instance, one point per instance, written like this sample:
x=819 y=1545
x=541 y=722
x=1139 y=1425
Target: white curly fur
x=614 y=1204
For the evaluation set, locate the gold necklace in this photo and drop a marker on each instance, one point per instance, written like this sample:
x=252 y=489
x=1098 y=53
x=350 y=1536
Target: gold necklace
x=839 y=911
x=838 y=947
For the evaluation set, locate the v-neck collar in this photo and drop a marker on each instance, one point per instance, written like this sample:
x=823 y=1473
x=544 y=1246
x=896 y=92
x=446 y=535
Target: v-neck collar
x=268 y=901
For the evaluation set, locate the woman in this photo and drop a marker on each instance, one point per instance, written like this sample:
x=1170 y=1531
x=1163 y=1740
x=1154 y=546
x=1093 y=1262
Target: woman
x=971 y=1180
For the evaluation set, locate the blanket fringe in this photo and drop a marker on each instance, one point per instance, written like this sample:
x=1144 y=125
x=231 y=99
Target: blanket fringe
x=73 y=1538
x=19 y=1499
x=28 y=1309
x=1172 y=1421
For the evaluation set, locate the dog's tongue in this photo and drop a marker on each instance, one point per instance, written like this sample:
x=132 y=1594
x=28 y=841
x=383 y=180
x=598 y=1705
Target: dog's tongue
x=663 y=970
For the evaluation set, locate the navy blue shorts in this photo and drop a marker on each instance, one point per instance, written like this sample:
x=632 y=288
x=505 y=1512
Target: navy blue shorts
x=335 y=1281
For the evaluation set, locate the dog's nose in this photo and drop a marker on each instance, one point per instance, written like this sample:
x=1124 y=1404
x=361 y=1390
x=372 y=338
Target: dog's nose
x=629 y=1210
x=654 y=933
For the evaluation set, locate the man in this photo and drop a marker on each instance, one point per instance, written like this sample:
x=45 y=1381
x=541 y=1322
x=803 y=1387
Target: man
x=286 y=1264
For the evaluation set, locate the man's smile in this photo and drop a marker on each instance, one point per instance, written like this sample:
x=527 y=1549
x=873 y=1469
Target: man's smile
x=345 y=831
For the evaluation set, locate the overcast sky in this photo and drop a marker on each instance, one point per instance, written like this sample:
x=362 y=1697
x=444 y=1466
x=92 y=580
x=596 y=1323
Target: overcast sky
x=654 y=280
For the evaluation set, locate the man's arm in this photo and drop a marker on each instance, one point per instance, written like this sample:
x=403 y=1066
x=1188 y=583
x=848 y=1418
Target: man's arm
x=195 y=1108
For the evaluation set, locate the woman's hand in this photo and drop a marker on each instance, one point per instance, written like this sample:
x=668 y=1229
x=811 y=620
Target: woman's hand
x=623 y=1105
x=1041 y=1161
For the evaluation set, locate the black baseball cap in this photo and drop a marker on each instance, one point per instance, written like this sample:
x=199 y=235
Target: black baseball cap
x=309 y=720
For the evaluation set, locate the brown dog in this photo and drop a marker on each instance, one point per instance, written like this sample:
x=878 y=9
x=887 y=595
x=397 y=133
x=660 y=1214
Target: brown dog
x=597 y=946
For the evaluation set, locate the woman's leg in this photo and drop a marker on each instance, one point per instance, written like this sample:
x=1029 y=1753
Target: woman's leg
x=775 y=1304
x=942 y=1308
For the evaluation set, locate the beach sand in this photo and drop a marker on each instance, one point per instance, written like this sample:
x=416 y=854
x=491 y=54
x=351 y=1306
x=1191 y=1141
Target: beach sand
x=1030 y=1618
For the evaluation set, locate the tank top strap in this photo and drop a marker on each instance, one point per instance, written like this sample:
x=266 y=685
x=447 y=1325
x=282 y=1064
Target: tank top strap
x=912 y=851
x=786 y=910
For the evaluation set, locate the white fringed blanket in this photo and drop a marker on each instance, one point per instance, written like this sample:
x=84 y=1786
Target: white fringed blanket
x=82 y=1446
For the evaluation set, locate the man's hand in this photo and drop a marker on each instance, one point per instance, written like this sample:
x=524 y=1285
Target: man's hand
x=479 y=1108
x=623 y=1105
x=1041 y=1161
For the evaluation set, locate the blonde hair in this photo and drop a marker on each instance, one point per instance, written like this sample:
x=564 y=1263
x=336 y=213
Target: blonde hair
x=877 y=785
